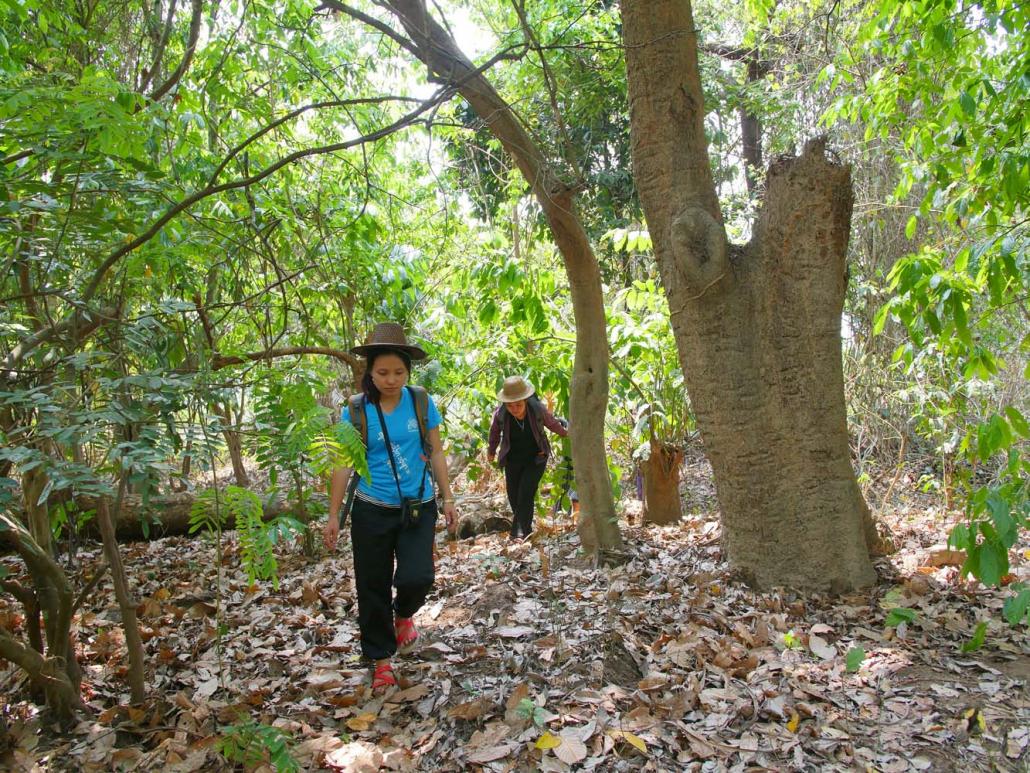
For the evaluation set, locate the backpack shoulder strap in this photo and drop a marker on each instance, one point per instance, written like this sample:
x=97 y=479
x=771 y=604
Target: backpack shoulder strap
x=356 y=405
x=421 y=399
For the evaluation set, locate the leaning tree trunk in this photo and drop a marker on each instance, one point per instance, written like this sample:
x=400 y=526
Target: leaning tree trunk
x=123 y=595
x=661 y=469
x=588 y=400
x=757 y=328
x=54 y=670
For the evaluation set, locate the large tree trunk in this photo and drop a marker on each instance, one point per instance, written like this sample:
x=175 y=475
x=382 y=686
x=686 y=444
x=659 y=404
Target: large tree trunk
x=661 y=469
x=588 y=399
x=757 y=328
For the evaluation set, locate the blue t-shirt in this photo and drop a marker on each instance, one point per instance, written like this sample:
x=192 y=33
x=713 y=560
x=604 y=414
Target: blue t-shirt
x=412 y=469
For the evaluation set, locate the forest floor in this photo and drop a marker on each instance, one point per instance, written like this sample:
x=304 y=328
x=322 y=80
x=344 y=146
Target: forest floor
x=532 y=659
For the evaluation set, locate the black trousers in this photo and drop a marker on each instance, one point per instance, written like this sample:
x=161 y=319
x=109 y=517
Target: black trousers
x=388 y=557
x=521 y=479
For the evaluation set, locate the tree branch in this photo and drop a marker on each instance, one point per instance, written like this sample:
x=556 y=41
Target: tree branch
x=16 y=156
x=739 y=54
x=371 y=21
x=159 y=52
x=293 y=114
x=187 y=57
x=221 y=361
x=74 y=318
x=406 y=120
x=82 y=322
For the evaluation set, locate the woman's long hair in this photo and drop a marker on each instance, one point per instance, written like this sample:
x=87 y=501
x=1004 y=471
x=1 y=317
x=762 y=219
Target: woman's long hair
x=367 y=386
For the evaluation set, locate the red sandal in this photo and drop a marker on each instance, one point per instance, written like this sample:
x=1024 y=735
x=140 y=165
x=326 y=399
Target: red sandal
x=407 y=634
x=382 y=677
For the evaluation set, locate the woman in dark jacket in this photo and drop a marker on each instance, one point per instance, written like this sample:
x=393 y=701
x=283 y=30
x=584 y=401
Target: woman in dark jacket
x=518 y=427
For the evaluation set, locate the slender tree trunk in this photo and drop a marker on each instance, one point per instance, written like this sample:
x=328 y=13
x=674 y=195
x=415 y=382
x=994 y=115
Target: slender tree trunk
x=757 y=328
x=122 y=592
x=751 y=128
x=234 y=443
x=37 y=513
x=662 y=504
x=588 y=399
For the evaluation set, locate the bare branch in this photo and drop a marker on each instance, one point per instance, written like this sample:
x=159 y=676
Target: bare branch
x=159 y=52
x=187 y=57
x=81 y=322
x=16 y=156
x=371 y=21
x=295 y=113
x=289 y=351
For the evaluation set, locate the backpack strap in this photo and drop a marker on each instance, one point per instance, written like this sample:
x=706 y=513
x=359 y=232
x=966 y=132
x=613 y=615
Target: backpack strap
x=421 y=399
x=356 y=405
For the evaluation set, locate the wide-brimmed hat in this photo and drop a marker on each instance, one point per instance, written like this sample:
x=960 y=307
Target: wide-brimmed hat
x=515 y=388
x=388 y=335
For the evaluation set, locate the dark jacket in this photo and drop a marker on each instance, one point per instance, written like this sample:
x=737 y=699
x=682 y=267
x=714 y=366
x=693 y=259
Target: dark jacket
x=537 y=413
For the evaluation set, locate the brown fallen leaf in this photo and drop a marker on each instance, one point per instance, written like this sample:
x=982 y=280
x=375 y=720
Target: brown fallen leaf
x=355 y=757
x=411 y=694
x=944 y=557
x=361 y=722
x=571 y=750
x=469 y=710
x=489 y=753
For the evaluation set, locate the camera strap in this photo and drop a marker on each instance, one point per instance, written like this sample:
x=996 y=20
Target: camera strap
x=393 y=462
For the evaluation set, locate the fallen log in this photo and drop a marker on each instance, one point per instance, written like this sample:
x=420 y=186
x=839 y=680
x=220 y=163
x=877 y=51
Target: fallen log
x=169 y=515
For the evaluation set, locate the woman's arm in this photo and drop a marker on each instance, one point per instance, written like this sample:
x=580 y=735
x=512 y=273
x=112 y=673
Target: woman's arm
x=337 y=489
x=553 y=424
x=439 y=463
x=495 y=434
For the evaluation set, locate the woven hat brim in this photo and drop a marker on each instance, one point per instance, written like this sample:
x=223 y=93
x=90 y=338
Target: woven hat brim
x=412 y=351
x=506 y=398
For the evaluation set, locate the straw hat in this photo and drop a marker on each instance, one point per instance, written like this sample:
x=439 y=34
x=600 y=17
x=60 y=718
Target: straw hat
x=515 y=388
x=388 y=335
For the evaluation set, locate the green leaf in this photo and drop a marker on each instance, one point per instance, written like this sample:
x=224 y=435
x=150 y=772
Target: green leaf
x=1017 y=420
x=993 y=563
x=854 y=659
x=911 y=225
x=968 y=104
x=960 y=537
x=900 y=615
x=1017 y=608
x=977 y=640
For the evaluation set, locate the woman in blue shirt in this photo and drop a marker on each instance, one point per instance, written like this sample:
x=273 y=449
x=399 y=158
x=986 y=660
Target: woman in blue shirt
x=388 y=554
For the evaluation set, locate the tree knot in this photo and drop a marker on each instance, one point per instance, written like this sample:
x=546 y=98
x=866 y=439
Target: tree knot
x=701 y=249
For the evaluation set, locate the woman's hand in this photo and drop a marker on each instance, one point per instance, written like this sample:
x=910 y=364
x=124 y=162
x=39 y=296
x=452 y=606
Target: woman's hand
x=450 y=513
x=331 y=532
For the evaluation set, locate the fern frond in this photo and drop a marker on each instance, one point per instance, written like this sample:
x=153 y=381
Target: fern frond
x=353 y=447
x=208 y=512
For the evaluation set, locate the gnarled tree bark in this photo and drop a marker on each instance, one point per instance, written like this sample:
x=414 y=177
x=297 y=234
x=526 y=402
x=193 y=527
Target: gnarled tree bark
x=757 y=327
